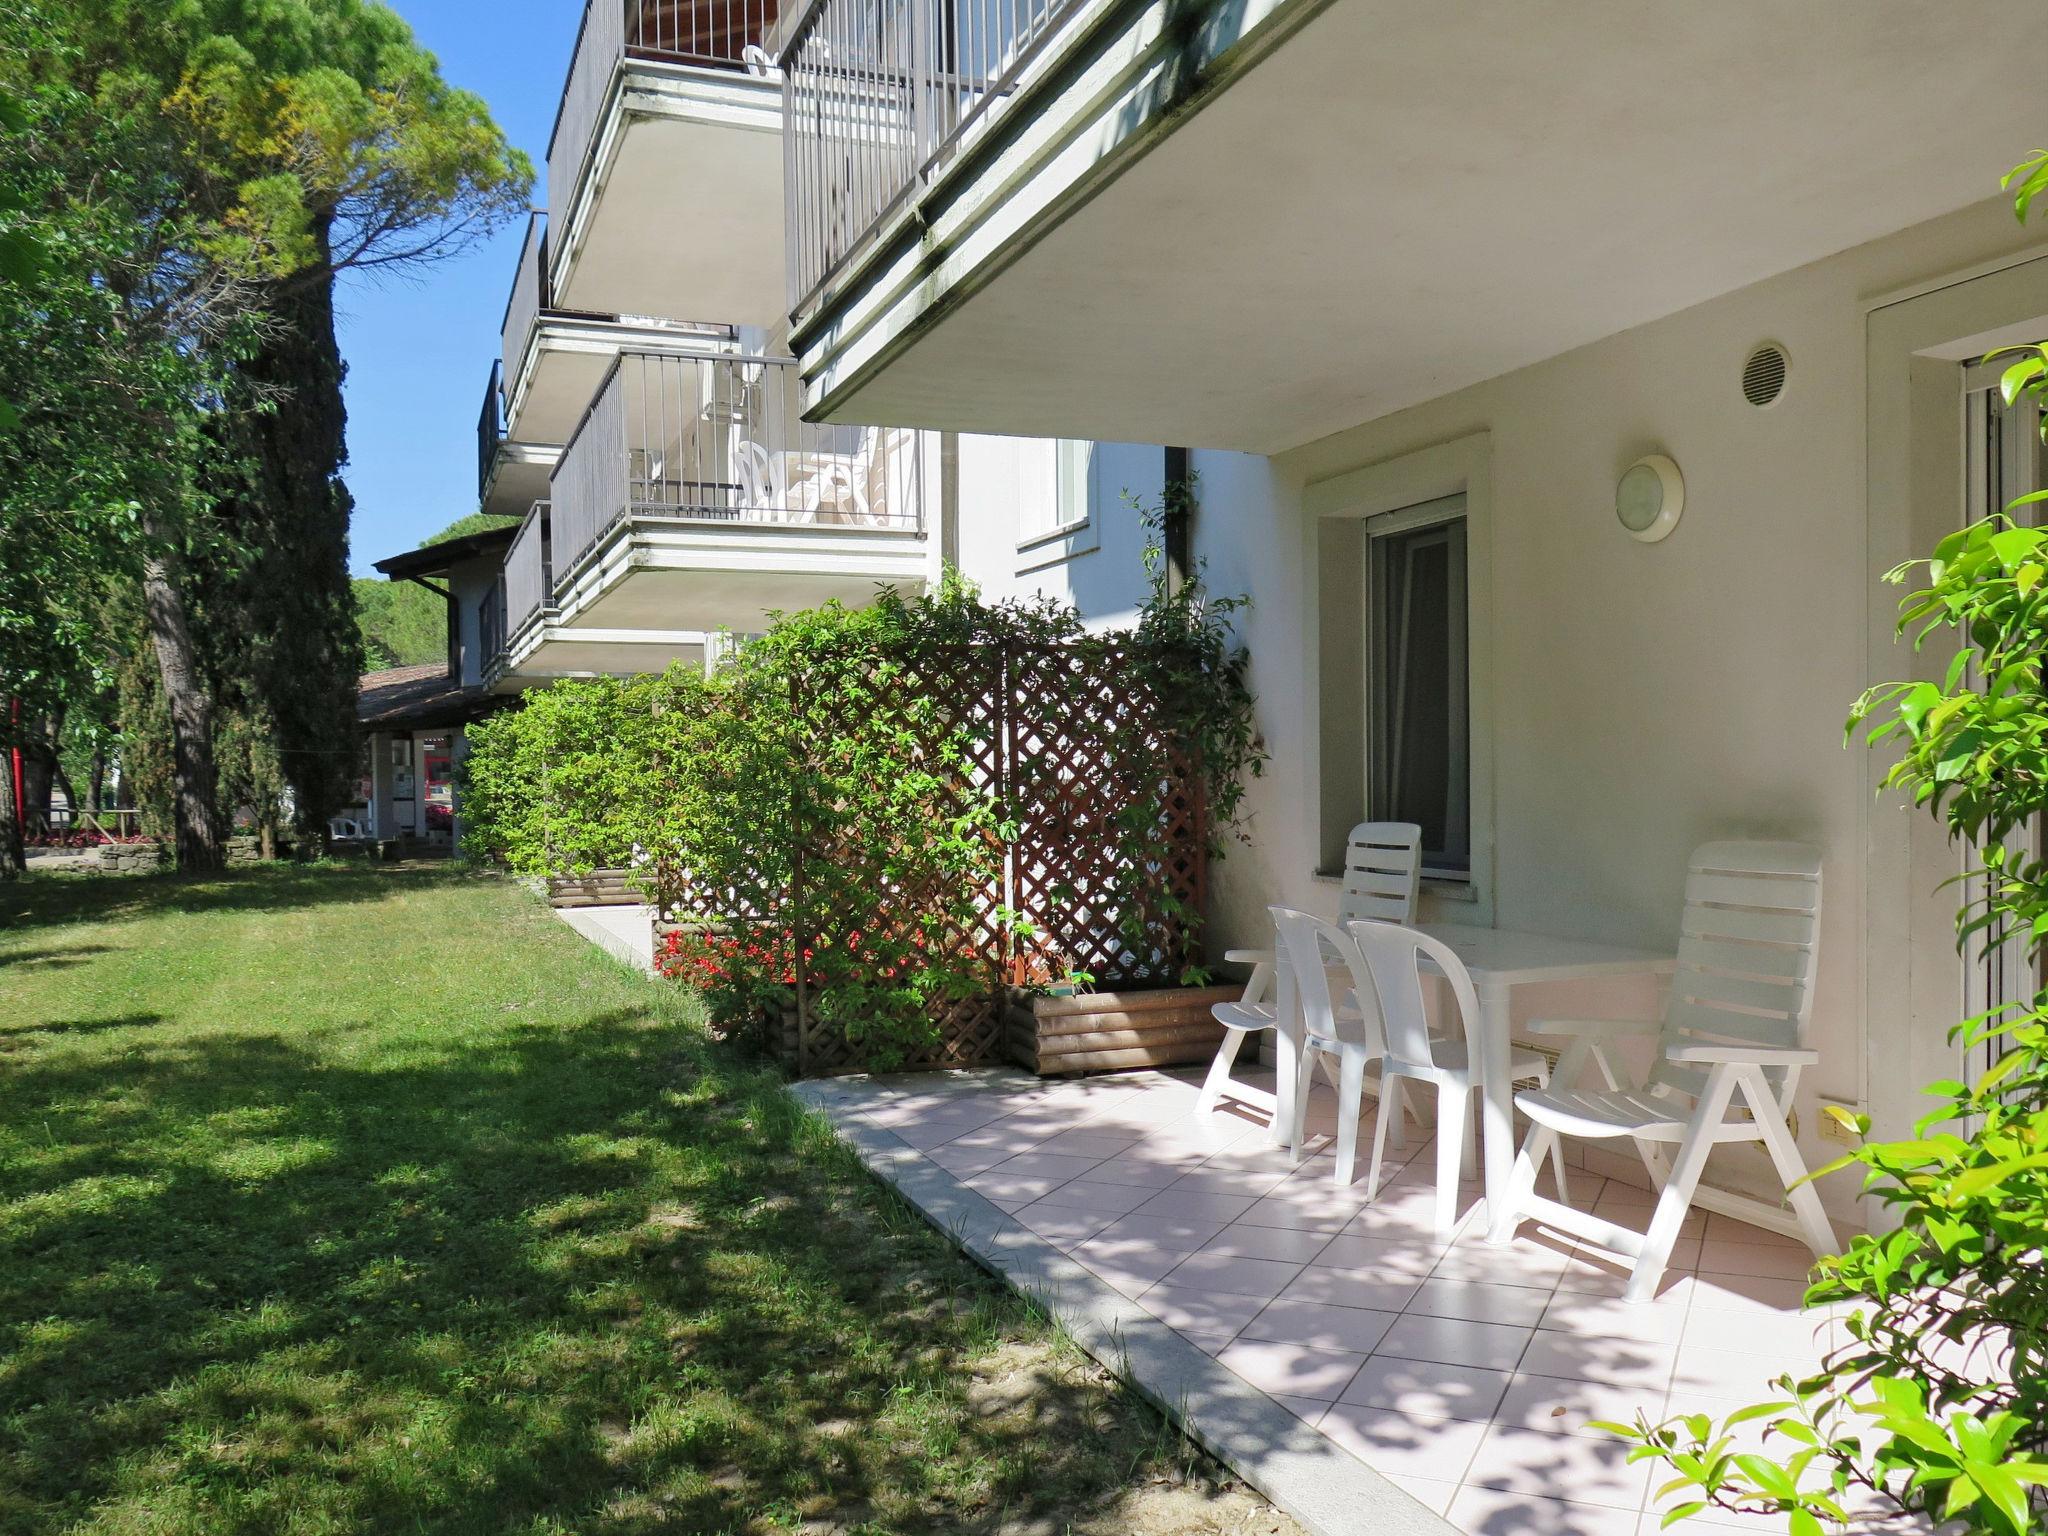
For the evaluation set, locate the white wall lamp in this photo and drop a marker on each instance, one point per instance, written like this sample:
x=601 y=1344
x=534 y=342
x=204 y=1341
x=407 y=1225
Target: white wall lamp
x=1649 y=498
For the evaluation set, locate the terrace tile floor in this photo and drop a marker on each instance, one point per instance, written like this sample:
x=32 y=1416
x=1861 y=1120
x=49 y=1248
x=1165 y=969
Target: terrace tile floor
x=1464 y=1373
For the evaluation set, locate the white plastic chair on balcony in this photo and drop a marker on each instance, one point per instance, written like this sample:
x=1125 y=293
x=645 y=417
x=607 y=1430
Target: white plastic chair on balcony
x=1382 y=878
x=1735 y=1027
x=1394 y=959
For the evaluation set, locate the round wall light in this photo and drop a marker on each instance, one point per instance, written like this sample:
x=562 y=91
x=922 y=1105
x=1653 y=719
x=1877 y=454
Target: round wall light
x=1650 y=497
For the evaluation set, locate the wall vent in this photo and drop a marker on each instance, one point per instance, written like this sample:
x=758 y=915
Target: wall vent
x=1763 y=376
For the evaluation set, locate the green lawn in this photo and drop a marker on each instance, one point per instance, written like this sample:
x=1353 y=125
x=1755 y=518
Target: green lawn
x=344 y=1199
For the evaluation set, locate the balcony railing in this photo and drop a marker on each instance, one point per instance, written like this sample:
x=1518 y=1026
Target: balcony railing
x=490 y=429
x=710 y=34
x=529 y=574
x=490 y=624
x=529 y=295
x=695 y=437
x=874 y=95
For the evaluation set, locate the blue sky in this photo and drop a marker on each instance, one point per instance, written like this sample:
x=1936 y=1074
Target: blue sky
x=418 y=351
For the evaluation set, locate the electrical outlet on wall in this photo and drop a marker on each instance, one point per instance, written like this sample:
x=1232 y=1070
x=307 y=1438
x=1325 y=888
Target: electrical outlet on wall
x=1837 y=1121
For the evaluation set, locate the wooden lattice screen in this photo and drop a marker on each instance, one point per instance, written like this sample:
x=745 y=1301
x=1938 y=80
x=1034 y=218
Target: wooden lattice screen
x=1059 y=735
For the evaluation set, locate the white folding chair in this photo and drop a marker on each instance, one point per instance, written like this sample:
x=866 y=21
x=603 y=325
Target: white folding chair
x=1382 y=877
x=1394 y=957
x=1735 y=1026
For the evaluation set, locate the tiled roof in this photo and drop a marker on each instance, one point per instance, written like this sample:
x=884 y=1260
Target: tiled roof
x=416 y=697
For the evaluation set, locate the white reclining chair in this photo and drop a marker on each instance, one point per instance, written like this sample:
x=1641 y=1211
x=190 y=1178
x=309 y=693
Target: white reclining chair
x=1382 y=877
x=1734 y=1028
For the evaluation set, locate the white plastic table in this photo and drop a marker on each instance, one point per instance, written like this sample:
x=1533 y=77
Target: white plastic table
x=1500 y=960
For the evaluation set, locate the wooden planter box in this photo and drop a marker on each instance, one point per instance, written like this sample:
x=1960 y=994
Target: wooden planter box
x=599 y=888
x=1110 y=1031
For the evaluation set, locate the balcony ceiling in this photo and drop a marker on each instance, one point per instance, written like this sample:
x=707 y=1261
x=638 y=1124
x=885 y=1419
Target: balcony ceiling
x=742 y=601
x=1410 y=196
x=519 y=479
x=569 y=652
x=685 y=217
x=562 y=381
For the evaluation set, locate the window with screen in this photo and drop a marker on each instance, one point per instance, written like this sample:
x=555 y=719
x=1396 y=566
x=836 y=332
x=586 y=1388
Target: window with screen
x=1417 y=717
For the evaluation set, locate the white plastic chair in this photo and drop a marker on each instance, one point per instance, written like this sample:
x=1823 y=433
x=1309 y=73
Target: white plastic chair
x=1393 y=958
x=758 y=476
x=1382 y=878
x=1735 y=1026
x=1330 y=1031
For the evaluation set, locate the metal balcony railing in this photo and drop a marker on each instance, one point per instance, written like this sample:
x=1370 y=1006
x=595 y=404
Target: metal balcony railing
x=490 y=429
x=529 y=295
x=529 y=574
x=699 y=437
x=874 y=95
x=709 y=34
x=490 y=625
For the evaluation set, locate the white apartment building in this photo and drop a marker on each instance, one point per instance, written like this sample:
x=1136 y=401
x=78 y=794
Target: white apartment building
x=1435 y=291
x=643 y=418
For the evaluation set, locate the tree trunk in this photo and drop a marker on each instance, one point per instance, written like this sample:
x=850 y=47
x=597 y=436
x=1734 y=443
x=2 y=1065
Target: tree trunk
x=99 y=779
x=13 y=863
x=39 y=773
x=195 y=817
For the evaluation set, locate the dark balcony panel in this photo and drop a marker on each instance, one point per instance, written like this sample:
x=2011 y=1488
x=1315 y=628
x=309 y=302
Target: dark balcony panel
x=528 y=577
x=490 y=430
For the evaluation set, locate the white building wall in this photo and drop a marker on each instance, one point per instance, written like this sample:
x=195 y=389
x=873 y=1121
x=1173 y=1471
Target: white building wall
x=1645 y=698
x=1100 y=571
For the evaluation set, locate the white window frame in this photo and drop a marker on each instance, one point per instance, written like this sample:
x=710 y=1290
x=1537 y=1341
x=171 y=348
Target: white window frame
x=1075 y=528
x=1437 y=513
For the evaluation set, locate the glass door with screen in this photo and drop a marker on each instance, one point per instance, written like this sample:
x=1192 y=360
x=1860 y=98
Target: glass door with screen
x=2003 y=460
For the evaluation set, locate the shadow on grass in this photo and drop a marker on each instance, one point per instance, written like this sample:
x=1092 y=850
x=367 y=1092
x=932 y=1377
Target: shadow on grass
x=32 y=904
x=23 y=1034
x=50 y=959
x=588 y=1273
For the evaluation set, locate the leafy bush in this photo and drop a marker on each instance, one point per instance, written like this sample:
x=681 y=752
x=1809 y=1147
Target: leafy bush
x=564 y=783
x=1939 y=1403
x=856 y=731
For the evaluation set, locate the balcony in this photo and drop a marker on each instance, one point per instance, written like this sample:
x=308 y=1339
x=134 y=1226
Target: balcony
x=511 y=475
x=1252 y=224
x=539 y=648
x=555 y=357
x=692 y=498
x=665 y=169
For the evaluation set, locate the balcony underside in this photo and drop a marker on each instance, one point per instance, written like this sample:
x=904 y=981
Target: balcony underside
x=547 y=652
x=567 y=359
x=519 y=477
x=679 y=212
x=1305 y=218
x=676 y=574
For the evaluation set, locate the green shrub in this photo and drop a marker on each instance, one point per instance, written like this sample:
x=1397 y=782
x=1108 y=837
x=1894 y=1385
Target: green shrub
x=864 y=733
x=563 y=783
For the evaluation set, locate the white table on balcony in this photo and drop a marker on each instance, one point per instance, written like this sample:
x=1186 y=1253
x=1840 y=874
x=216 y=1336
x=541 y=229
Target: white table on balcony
x=1500 y=960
